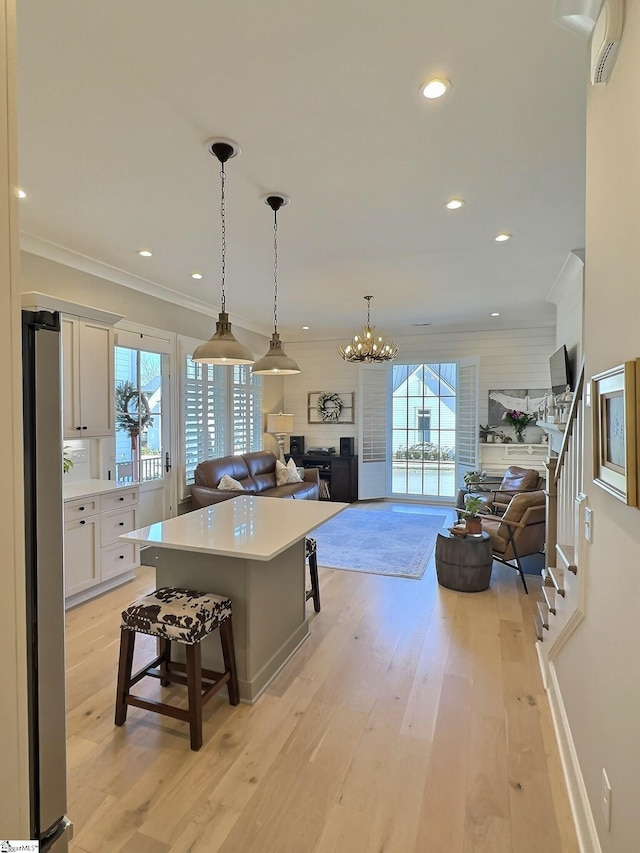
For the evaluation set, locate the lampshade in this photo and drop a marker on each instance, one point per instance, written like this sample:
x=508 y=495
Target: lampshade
x=223 y=348
x=276 y=361
x=280 y=423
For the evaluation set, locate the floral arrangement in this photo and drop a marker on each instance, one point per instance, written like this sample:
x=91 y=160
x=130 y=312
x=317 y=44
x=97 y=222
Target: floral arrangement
x=474 y=477
x=519 y=421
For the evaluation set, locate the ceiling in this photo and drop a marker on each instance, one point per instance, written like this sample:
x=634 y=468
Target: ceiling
x=116 y=101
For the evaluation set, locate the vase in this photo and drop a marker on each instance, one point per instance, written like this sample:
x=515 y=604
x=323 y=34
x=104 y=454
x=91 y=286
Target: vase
x=520 y=435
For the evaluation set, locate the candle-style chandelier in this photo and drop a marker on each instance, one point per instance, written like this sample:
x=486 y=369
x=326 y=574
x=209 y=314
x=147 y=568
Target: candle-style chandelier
x=367 y=347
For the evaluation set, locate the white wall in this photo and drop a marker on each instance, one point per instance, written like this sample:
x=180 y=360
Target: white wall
x=568 y=296
x=597 y=670
x=509 y=358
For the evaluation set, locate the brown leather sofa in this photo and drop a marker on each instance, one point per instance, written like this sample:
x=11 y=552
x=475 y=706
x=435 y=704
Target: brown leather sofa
x=257 y=474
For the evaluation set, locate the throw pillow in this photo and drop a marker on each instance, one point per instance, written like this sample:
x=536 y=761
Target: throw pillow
x=228 y=484
x=287 y=473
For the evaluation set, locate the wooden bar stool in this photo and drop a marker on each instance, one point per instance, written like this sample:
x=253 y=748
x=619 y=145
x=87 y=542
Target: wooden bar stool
x=310 y=553
x=181 y=616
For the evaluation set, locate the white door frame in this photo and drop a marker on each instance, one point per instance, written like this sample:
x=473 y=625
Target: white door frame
x=148 y=339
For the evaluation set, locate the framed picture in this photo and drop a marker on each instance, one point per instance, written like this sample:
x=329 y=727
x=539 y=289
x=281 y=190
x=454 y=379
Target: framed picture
x=330 y=407
x=613 y=402
x=528 y=400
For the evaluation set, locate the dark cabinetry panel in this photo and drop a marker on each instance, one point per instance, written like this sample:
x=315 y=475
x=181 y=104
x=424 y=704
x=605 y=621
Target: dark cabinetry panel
x=340 y=473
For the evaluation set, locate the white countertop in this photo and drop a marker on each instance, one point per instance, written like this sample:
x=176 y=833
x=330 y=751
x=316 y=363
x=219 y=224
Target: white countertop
x=84 y=488
x=256 y=528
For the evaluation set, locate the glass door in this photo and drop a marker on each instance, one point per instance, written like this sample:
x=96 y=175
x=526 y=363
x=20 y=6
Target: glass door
x=423 y=432
x=141 y=429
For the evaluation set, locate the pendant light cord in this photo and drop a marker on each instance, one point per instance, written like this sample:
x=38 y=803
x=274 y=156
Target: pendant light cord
x=368 y=298
x=275 y=271
x=224 y=234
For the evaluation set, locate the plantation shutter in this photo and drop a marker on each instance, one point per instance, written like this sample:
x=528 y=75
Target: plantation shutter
x=466 y=418
x=372 y=461
x=204 y=414
x=247 y=410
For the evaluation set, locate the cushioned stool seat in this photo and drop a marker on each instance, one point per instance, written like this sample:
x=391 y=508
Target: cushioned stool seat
x=310 y=553
x=182 y=616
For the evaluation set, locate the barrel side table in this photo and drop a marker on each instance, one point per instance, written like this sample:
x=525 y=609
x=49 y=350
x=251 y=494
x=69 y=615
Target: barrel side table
x=463 y=563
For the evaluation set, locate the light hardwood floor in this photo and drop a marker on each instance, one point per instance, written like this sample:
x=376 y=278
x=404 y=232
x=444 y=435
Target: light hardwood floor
x=413 y=720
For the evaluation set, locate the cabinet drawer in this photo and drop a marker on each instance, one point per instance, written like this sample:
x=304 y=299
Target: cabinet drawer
x=81 y=507
x=117 y=559
x=116 y=500
x=115 y=523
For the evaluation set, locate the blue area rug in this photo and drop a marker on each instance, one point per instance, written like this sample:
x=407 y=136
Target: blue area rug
x=378 y=541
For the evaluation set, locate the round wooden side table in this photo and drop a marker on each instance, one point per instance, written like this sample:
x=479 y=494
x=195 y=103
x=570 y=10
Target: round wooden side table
x=463 y=563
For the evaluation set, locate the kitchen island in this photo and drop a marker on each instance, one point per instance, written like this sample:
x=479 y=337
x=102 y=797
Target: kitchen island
x=250 y=549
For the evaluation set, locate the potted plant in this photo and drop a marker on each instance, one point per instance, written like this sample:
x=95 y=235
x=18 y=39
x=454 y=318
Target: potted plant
x=484 y=432
x=472 y=477
x=519 y=421
x=472 y=508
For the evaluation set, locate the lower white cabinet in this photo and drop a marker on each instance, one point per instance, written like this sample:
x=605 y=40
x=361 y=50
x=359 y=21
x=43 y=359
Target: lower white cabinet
x=94 y=556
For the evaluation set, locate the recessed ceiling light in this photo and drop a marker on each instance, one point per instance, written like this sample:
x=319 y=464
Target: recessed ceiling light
x=455 y=203
x=306 y=328
x=145 y=253
x=21 y=193
x=502 y=238
x=495 y=314
x=435 y=88
x=196 y=275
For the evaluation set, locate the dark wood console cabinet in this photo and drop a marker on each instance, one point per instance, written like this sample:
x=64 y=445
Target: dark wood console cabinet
x=339 y=472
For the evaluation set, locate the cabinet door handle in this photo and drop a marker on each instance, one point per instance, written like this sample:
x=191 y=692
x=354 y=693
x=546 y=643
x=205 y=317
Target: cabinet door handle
x=120 y=499
x=121 y=524
x=78 y=428
x=83 y=521
x=84 y=427
x=121 y=556
x=80 y=509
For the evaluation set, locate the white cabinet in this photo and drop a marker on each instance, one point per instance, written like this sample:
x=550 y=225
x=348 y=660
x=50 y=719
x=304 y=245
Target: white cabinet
x=87 y=378
x=81 y=554
x=94 y=557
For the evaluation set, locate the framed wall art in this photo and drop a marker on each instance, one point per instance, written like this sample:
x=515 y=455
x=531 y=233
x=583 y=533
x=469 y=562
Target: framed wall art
x=613 y=402
x=330 y=407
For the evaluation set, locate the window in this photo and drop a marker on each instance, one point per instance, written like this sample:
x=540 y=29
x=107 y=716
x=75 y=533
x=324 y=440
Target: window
x=423 y=434
x=138 y=405
x=423 y=424
x=222 y=411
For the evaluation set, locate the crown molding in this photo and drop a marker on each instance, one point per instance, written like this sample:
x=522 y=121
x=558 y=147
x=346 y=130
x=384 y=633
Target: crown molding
x=61 y=255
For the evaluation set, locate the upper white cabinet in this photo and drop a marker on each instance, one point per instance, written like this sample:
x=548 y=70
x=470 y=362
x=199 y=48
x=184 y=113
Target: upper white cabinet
x=87 y=378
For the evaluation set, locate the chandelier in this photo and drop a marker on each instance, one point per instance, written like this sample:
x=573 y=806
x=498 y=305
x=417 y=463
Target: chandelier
x=366 y=347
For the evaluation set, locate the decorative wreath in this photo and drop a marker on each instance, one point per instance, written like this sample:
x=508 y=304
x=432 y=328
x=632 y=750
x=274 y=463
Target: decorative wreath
x=138 y=419
x=329 y=406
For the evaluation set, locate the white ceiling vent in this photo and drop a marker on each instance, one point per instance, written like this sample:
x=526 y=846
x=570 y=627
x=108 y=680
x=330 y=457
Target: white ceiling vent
x=605 y=40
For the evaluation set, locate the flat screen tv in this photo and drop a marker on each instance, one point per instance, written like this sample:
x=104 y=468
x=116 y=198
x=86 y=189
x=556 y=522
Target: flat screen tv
x=560 y=368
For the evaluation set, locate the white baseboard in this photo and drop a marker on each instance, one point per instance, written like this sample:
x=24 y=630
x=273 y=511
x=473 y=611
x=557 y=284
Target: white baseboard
x=588 y=840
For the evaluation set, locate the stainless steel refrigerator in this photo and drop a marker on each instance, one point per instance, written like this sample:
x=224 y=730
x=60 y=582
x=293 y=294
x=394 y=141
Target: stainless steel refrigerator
x=41 y=355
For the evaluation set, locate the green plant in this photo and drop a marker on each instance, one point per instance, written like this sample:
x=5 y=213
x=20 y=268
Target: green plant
x=484 y=431
x=471 y=477
x=473 y=505
x=67 y=461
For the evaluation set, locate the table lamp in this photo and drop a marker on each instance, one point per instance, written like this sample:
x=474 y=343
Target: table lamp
x=280 y=425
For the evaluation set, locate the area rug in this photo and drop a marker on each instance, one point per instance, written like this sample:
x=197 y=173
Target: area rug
x=378 y=541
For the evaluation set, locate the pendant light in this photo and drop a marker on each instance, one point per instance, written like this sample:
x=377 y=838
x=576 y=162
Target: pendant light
x=276 y=360
x=366 y=347
x=222 y=348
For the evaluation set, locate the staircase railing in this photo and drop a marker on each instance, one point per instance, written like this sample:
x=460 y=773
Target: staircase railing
x=560 y=591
